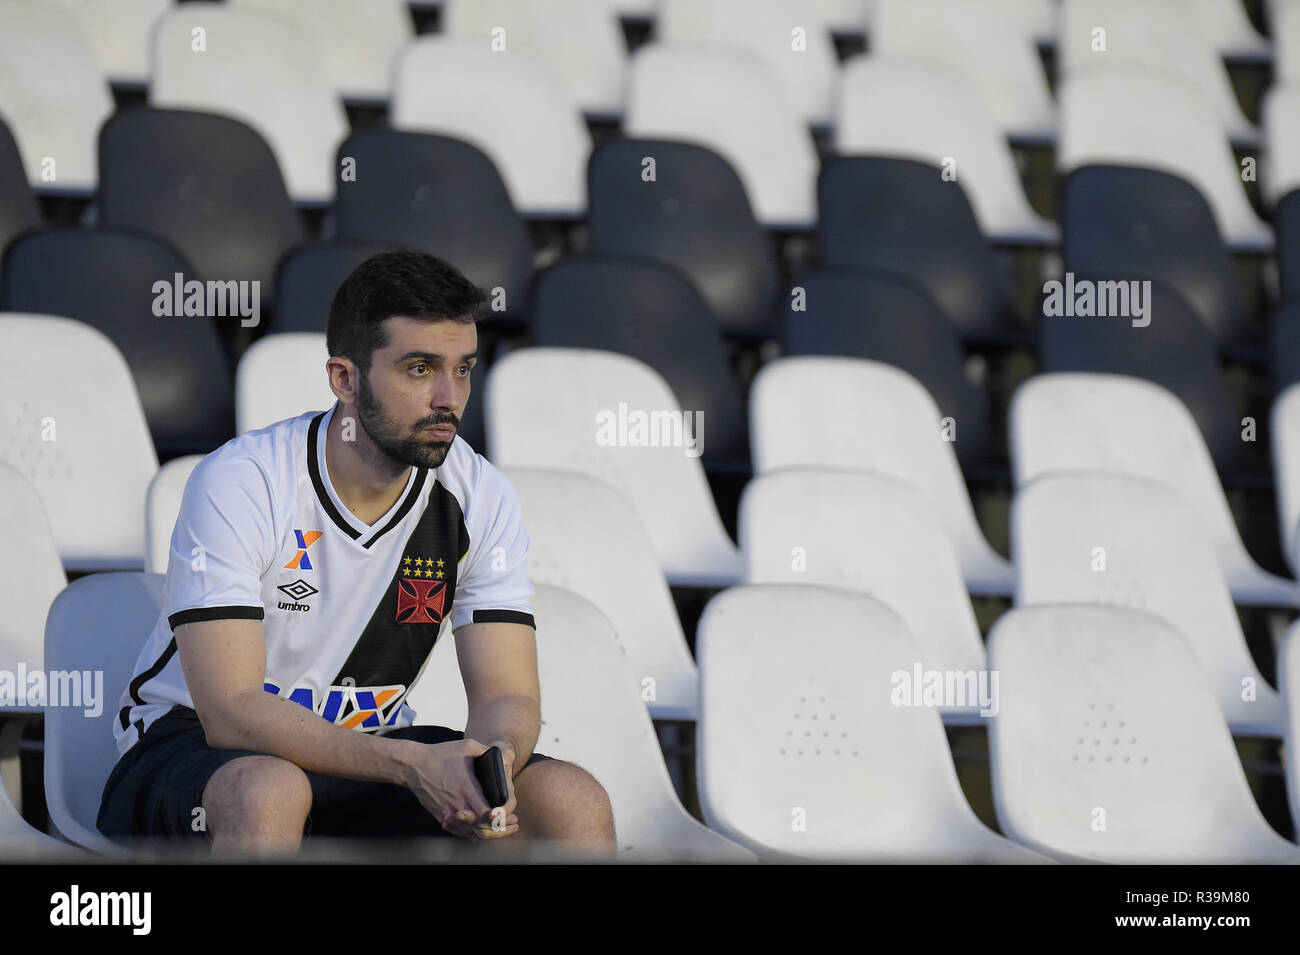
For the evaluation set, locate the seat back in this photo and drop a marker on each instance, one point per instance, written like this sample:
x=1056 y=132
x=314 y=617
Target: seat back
x=513 y=108
x=615 y=419
x=733 y=102
x=95 y=628
x=868 y=416
x=208 y=184
x=1114 y=539
x=693 y=215
x=645 y=310
x=162 y=507
x=124 y=284
x=31 y=576
x=281 y=376
x=81 y=439
x=263 y=69
x=1108 y=745
x=869 y=533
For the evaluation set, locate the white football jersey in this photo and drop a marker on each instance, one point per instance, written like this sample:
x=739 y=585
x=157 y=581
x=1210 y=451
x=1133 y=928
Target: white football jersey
x=349 y=611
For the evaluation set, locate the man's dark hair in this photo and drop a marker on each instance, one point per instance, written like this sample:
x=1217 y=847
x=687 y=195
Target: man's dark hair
x=407 y=283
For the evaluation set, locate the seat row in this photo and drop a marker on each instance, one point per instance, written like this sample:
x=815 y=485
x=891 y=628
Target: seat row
x=1105 y=740
x=64 y=427
x=740 y=97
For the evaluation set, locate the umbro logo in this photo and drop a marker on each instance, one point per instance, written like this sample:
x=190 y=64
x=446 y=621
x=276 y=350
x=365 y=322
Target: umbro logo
x=299 y=590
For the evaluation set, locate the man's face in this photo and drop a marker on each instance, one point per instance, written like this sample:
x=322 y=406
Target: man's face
x=411 y=402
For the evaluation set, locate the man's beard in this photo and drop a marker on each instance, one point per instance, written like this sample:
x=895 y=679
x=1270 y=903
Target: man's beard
x=403 y=448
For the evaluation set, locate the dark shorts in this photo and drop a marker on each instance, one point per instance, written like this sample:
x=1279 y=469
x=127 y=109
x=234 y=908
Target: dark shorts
x=156 y=787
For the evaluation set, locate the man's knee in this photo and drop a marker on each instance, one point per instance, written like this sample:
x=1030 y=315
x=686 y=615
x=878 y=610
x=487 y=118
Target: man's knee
x=564 y=801
x=257 y=792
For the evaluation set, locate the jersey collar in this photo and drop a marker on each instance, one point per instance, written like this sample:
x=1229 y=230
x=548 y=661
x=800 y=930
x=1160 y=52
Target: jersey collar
x=357 y=530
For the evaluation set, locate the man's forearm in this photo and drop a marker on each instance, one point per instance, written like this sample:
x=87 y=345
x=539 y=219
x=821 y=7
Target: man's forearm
x=515 y=719
x=269 y=724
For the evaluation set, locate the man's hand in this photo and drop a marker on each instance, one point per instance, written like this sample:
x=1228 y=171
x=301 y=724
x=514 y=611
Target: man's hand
x=442 y=778
x=499 y=817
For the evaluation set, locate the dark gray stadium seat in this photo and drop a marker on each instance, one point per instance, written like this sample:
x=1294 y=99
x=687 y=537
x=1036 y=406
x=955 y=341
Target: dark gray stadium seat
x=1175 y=351
x=694 y=216
x=1285 y=351
x=208 y=184
x=443 y=196
x=654 y=313
x=18 y=208
x=886 y=317
x=307 y=279
x=901 y=216
x=1142 y=222
x=105 y=279
x=1286 y=220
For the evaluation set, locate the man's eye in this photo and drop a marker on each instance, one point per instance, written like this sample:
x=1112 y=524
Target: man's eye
x=420 y=368
x=465 y=370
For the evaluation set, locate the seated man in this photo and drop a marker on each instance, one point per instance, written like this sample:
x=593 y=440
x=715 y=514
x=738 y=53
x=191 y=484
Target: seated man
x=311 y=567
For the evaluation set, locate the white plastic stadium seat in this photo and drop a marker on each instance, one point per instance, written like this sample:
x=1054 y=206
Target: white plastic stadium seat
x=1121 y=425
x=842 y=16
x=281 y=376
x=264 y=70
x=1156 y=36
x=510 y=105
x=869 y=416
x=53 y=94
x=546 y=407
x=734 y=103
x=1280 y=172
x=120 y=29
x=586 y=537
x=913 y=110
x=1039 y=18
x=593 y=716
x=98 y=624
x=1226 y=25
x=1108 y=746
x=1288 y=678
x=1285 y=25
x=19 y=842
x=630 y=9
x=764 y=29
x=988 y=42
x=162 y=507
x=1118 y=539
x=81 y=439
x=1134 y=118
x=804 y=748
x=580 y=42
x=872 y=534
x=1285 y=424
x=31 y=576
x=358 y=39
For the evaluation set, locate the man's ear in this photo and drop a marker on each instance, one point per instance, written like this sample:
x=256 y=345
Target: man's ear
x=344 y=378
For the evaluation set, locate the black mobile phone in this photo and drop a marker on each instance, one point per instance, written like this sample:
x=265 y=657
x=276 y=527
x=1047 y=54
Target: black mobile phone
x=490 y=770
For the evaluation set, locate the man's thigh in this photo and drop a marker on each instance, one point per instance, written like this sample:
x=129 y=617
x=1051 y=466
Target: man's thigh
x=156 y=789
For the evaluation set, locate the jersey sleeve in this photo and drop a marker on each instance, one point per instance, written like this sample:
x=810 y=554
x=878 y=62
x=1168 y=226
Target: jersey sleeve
x=492 y=585
x=222 y=544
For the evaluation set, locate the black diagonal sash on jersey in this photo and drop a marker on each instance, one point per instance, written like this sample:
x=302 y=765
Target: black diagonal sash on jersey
x=402 y=630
